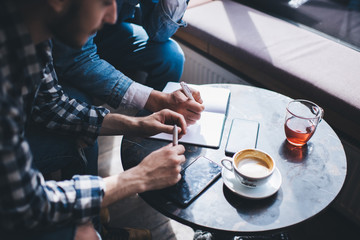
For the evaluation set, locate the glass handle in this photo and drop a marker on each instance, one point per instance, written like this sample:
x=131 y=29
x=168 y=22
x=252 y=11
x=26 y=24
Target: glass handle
x=321 y=114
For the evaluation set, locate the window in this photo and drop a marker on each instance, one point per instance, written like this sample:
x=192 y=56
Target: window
x=336 y=19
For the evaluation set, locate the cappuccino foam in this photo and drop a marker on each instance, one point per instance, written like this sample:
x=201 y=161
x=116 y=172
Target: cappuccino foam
x=253 y=167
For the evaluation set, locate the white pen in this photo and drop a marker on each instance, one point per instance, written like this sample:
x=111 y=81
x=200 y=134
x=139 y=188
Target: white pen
x=175 y=136
x=186 y=90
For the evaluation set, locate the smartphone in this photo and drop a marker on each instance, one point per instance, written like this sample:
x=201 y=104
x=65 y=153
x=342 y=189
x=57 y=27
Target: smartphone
x=243 y=134
x=195 y=179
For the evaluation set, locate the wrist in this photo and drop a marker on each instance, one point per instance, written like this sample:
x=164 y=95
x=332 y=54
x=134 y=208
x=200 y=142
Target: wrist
x=141 y=184
x=123 y=185
x=157 y=101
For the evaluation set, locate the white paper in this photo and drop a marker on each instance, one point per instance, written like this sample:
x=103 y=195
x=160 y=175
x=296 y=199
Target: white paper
x=207 y=131
x=215 y=99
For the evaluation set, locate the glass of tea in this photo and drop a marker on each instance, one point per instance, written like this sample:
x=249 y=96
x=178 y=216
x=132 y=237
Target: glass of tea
x=302 y=118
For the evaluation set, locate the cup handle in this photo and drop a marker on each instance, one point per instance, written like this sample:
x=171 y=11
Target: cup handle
x=226 y=165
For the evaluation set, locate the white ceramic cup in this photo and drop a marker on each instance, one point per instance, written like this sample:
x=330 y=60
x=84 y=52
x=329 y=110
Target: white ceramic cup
x=252 y=167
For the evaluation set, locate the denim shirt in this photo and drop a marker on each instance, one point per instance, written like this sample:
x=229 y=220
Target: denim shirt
x=97 y=77
x=87 y=72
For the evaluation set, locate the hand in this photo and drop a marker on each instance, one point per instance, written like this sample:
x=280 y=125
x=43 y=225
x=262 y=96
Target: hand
x=178 y=102
x=190 y=109
x=162 y=167
x=159 y=169
x=161 y=121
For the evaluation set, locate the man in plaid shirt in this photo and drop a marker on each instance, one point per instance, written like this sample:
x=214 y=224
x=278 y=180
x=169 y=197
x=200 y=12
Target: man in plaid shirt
x=30 y=207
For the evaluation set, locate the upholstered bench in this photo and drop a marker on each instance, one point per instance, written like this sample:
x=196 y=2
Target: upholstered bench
x=280 y=56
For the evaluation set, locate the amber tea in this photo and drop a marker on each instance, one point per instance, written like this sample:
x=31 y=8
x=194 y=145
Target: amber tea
x=302 y=118
x=298 y=133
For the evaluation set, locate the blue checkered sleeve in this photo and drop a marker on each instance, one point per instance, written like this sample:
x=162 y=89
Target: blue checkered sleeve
x=55 y=109
x=26 y=200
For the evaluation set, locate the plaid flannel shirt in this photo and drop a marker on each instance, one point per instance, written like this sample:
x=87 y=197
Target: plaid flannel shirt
x=28 y=84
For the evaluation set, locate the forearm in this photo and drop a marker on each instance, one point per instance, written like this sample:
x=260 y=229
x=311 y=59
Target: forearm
x=118 y=124
x=157 y=101
x=158 y=122
x=123 y=185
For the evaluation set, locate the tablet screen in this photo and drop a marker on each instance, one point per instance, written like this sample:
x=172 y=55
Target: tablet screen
x=196 y=177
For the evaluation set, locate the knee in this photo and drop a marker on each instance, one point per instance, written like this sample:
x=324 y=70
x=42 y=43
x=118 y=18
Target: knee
x=173 y=54
x=173 y=60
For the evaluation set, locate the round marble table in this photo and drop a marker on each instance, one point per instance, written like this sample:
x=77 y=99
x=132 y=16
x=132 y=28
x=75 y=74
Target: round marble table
x=312 y=175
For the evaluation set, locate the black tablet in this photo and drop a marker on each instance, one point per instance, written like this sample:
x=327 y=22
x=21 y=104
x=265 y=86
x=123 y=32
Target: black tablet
x=196 y=177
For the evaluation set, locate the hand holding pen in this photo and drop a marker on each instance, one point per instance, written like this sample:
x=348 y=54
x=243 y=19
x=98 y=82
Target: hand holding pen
x=191 y=110
x=186 y=90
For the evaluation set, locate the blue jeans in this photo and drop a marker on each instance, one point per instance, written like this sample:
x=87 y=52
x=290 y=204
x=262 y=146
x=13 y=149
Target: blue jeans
x=126 y=46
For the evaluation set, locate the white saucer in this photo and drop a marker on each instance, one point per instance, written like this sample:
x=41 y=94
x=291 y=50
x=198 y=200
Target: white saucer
x=266 y=190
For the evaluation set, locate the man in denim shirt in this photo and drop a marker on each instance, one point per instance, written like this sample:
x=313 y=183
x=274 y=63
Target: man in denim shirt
x=145 y=45
x=129 y=48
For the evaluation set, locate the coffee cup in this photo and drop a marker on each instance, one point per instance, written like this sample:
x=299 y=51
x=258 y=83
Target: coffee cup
x=252 y=167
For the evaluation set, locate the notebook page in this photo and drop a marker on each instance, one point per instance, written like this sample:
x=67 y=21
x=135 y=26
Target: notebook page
x=207 y=131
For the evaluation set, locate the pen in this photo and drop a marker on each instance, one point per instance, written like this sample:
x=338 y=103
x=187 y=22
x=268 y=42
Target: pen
x=186 y=90
x=175 y=136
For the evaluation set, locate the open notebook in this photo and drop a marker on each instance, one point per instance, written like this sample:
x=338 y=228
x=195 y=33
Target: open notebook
x=208 y=130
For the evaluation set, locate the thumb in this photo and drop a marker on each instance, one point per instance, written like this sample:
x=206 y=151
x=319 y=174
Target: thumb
x=166 y=128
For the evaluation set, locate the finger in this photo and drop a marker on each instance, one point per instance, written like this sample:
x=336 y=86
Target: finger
x=169 y=118
x=165 y=120
x=182 y=124
x=190 y=121
x=194 y=107
x=177 y=179
x=180 y=97
x=178 y=119
x=196 y=95
x=191 y=117
x=182 y=159
x=179 y=149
